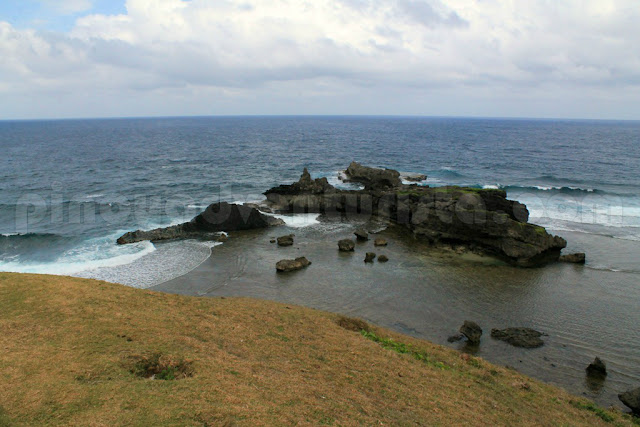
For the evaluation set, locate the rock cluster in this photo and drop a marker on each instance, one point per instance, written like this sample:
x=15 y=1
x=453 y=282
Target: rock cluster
x=482 y=220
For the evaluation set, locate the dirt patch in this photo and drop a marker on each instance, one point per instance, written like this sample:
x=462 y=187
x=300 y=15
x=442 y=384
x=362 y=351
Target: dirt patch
x=160 y=367
x=353 y=324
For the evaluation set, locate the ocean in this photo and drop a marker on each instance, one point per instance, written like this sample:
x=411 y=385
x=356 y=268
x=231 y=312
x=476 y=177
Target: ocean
x=69 y=188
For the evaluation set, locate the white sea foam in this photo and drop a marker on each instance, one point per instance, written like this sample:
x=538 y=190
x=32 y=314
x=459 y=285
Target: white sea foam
x=298 y=220
x=82 y=259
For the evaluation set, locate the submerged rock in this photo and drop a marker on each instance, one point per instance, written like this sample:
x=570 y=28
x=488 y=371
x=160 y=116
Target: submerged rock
x=597 y=368
x=286 y=265
x=369 y=257
x=216 y=217
x=631 y=399
x=519 y=337
x=472 y=331
x=346 y=245
x=361 y=234
x=380 y=242
x=285 y=240
x=577 y=258
x=455 y=338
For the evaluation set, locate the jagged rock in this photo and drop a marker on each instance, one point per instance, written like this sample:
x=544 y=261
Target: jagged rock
x=306 y=195
x=414 y=177
x=519 y=337
x=346 y=245
x=383 y=258
x=285 y=240
x=472 y=331
x=597 y=368
x=216 y=217
x=361 y=234
x=380 y=242
x=577 y=258
x=631 y=399
x=373 y=178
x=369 y=257
x=286 y=265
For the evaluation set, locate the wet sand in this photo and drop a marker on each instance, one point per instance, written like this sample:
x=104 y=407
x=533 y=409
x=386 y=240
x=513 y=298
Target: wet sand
x=428 y=293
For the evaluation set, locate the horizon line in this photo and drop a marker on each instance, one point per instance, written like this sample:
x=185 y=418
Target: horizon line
x=414 y=116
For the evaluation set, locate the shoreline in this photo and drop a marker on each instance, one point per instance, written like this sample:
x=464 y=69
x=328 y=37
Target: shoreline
x=427 y=295
x=289 y=353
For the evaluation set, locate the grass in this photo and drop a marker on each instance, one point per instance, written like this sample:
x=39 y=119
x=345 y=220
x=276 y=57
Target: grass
x=83 y=352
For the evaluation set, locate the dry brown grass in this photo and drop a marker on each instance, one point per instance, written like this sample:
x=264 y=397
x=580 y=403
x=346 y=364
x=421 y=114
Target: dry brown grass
x=66 y=348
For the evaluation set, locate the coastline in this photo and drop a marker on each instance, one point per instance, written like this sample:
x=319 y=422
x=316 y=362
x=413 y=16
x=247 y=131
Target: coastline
x=428 y=293
x=250 y=361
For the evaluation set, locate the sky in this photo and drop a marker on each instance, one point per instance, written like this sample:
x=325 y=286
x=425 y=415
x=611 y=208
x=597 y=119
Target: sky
x=470 y=58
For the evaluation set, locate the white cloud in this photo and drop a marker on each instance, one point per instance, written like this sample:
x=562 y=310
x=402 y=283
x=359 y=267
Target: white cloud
x=412 y=56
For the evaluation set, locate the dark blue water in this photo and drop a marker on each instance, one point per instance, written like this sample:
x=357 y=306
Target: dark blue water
x=69 y=188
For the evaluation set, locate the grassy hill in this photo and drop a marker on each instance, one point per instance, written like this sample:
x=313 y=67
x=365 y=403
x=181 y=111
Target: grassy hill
x=83 y=352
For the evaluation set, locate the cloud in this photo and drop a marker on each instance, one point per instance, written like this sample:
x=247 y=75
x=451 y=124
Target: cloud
x=429 y=52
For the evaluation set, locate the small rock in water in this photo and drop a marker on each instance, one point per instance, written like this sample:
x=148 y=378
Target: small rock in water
x=223 y=238
x=362 y=234
x=597 y=368
x=346 y=245
x=380 y=242
x=369 y=257
x=272 y=241
x=285 y=240
x=418 y=177
x=292 y=264
x=455 y=338
x=519 y=337
x=631 y=398
x=472 y=331
x=383 y=258
x=578 y=258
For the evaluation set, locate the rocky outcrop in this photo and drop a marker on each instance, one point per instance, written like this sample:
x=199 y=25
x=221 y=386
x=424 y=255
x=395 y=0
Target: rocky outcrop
x=346 y=245
x=287 y=265
x=369 y=257
x=519 y=337
x=472 y=331
x=306 y=195
x=577 y=258
x=480 y=220
x=414 y=177
x=217 y=217
x=361 y=234
x=631 y=399
x=373 y=178
x=597 y=368
x=380 y=242
x=285 y=240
